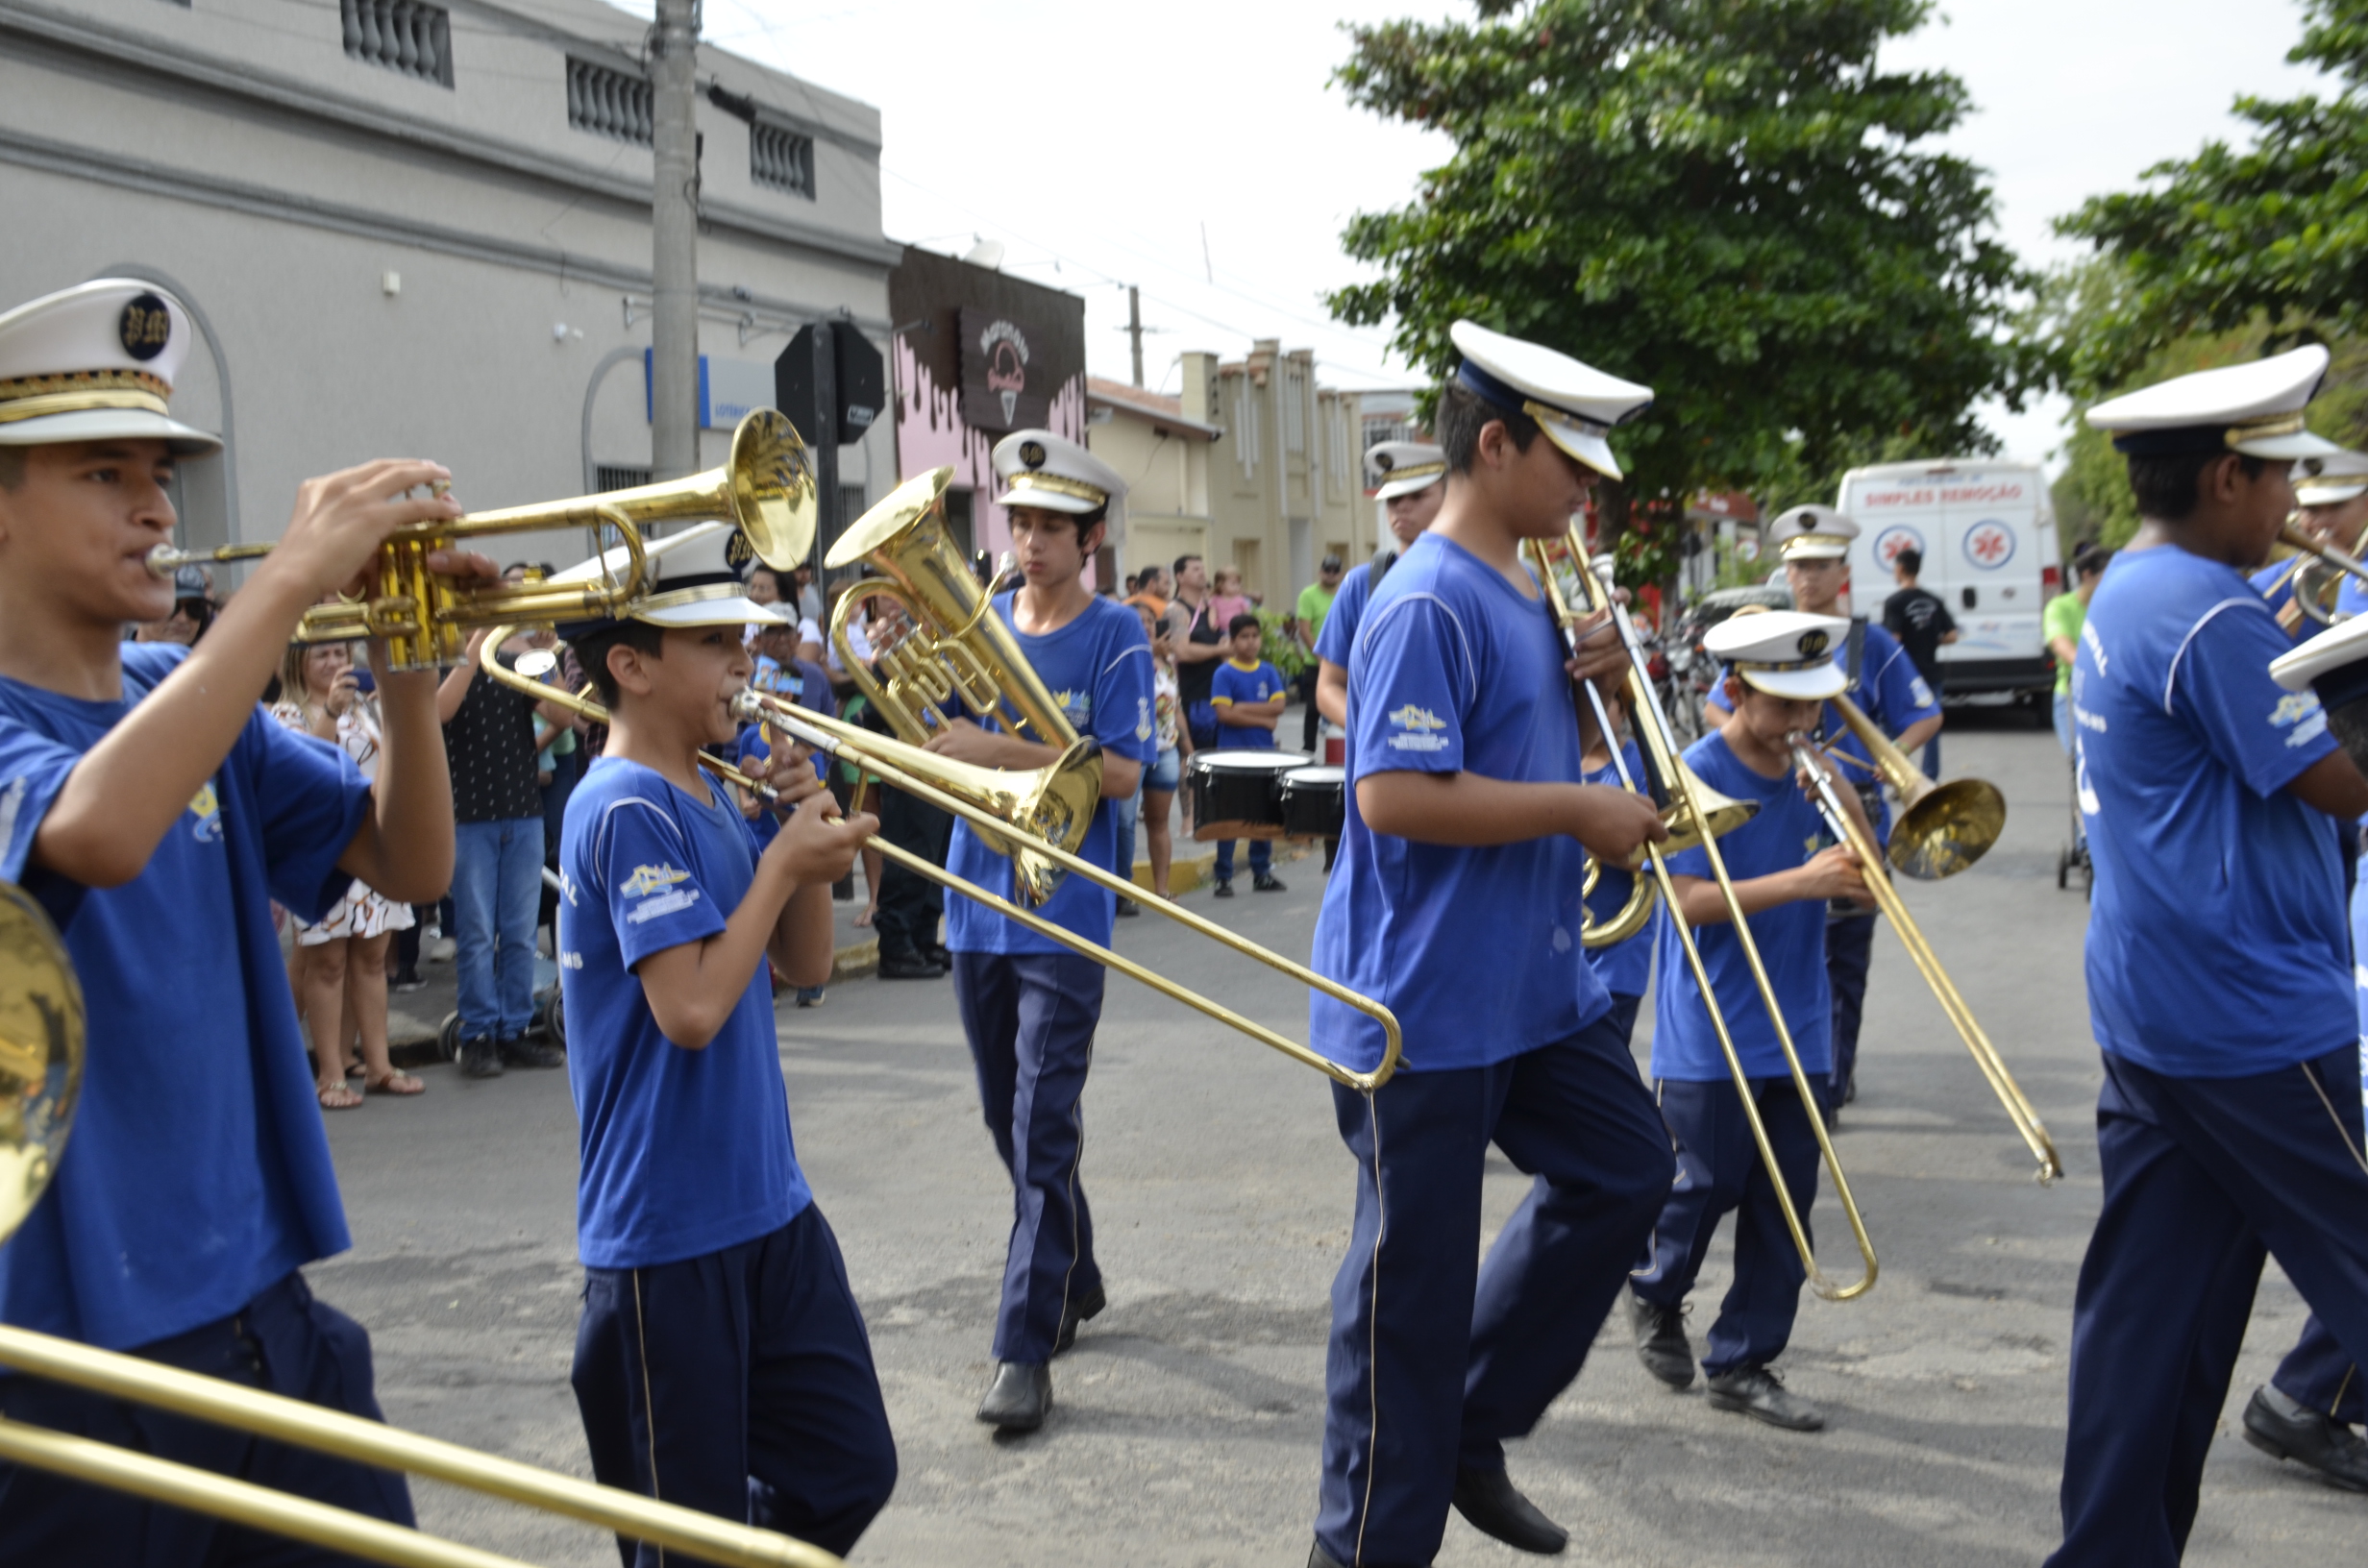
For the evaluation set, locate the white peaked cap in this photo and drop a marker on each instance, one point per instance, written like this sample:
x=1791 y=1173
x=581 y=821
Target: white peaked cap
x=1575 y=404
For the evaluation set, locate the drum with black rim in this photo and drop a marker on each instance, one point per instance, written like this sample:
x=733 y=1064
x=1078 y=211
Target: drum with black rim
x=1315 y=802
x=1237 y=795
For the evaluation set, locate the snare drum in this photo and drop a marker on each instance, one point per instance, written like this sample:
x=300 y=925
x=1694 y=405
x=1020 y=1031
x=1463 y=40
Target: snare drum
x=1238 y=794
x=1315 y=802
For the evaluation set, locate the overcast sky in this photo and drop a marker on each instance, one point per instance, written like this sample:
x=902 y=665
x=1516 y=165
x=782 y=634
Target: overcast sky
x=1199 y=152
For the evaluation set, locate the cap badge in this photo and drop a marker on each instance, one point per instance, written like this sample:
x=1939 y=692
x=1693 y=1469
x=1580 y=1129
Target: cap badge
x=1033 y=453
x=738 y=553
x=1384 y=461
x=1814 y=643
x=145 y=327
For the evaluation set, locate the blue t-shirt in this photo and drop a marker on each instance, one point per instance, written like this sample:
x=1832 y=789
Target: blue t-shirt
x=1098 y=669
x=2217 y=945
x=1786 y=833
x=1890 y=692
x=683 y=1152
x=1261 y=682
x=198 y=1172
x=1339 y=635
x=1475 y=950
x=1625 y=966
x=751 y=747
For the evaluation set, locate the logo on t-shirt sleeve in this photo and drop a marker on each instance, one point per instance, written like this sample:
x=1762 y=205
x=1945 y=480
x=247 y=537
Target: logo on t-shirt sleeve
x=1416 y=726
x=655 y=886
x=208 y=810
x=2300 y=714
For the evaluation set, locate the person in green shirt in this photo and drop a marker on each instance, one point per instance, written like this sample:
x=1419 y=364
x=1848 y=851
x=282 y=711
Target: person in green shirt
x=1315 y=603
x=2061 y=624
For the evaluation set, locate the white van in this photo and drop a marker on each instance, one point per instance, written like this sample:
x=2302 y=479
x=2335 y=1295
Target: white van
x=1988 y=535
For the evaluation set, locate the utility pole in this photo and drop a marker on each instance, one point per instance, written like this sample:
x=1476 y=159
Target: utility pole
x=1134 y=326
x=674 y=226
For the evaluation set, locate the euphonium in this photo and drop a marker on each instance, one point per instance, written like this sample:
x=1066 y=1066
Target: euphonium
x=957 y=648
x=767 y=488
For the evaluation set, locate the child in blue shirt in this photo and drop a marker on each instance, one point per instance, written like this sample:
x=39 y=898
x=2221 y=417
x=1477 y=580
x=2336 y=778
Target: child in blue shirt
x=157 y=812
x=1783 y=872
x=1625 y=968
x=1248 y=695
x=721 y=1361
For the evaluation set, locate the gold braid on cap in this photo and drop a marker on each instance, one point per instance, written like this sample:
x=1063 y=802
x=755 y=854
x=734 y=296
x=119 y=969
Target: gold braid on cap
x=1076 y=489
x=674 y=597
x=35 y=397
x=2268 y=425
x=1412 y=471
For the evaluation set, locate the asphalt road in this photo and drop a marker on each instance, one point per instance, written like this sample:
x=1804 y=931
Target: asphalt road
x=1188 y=1419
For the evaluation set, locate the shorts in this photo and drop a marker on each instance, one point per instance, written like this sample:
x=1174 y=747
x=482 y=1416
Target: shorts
x=1166 y=773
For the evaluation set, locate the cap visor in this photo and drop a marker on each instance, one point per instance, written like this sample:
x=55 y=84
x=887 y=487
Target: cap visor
x=1585 y=445
x=1048 y=501
x=2301 y=444
x=2330 y=495
x=110 y=425
x=1818 y=551
x=714 y=612
x=1801 y=685
x=2331 y=650
x=1406 y=488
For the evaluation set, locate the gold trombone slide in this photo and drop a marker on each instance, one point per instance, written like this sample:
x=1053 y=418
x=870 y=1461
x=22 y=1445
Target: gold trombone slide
x=961 y=789
x=1691 y=798
x=1845 y=829
x=42 y=1059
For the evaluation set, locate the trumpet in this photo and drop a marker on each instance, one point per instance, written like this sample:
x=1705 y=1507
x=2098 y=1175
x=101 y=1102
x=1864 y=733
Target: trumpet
x=1693 y=804
x=2316 y=574
x=993 y=800
x=41 y=1060
x=767 y=489
x=1942 y=827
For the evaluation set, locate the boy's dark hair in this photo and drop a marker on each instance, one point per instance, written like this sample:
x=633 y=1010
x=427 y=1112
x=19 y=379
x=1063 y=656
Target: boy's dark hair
x=1183 y=561
x=1463 y=414
x=2088 y=558
x=2166 y=487
x=1241 y=624
x=1094 y=518
x=592 y=653
x=1909 y=561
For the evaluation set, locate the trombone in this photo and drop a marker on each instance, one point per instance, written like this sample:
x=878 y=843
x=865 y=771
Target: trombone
x=994 y=800
x=41 y=1060
x=1938 y=834
x=767 y=488
x=1695 y=804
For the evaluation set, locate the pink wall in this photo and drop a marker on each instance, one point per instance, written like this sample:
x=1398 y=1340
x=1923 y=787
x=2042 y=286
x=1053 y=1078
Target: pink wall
x=929 y=431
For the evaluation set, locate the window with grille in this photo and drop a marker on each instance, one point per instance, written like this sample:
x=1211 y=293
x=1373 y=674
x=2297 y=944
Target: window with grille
x=608 y=102
x=780 y=159
x=619 y=477
x=401 y=36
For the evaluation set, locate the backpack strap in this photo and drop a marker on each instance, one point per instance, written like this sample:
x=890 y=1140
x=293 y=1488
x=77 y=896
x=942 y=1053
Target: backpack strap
x=1855 y=660
x=1377 y=568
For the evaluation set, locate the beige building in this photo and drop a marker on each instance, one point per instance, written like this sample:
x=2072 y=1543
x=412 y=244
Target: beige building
x=1286 y=483
x=1165 y=458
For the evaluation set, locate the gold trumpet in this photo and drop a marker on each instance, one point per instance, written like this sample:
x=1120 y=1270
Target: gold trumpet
x=1693 y=804
x=42 y=1058
x=990 y=801
x=2317 y=573
x=955 y=647
x=767 y=489
x=1943 y=829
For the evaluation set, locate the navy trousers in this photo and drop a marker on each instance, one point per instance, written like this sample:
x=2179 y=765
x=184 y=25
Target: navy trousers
x=1261 y=858
x=1849 y=948
x=2203 y=1179
x=1435 y=1359
x=2320 y=1375
x=1720 y=1171
x=285 y=1342
x=1030 y=1019
x=738 y=1383
x=1623 y=1016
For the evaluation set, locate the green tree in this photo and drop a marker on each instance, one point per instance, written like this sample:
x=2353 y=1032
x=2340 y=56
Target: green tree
x=1724 y=199
x=2270 y=241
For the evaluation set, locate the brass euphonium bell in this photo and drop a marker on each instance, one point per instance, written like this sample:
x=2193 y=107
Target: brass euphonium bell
x=40 y=1053
x=1942 y=828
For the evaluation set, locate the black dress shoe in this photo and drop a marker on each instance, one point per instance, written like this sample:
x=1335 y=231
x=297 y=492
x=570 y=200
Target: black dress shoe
x=1127 y=907
x=1490 y=1504
x=2283 y=1429
x=1757 y=1392
x=1018 y=1397
x=1662 y=1345
x=1078 y=1309
x=479 y=1059
x=1225 y=890
x=518 y=1052
x=908 y=966
x=1263 y=883
x=940 y=957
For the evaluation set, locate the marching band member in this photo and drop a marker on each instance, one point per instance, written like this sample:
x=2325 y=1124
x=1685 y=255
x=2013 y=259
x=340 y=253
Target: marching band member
x=1412 y=486
x=157 y=812
x=1029 y=1006
x=2330 y=495
x=1625 y=968
x=1815 y=545
x=2228 y=1125
x=1456 y=904
x=721 y=1361
x=1779 y=677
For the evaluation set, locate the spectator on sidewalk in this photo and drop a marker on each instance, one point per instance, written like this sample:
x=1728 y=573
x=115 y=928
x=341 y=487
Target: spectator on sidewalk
x=1151 y=590
x=344 y=967
x=2061 y=624
x=1166 y=769
x=1227 y=598
x=1248 y=695
x=1921 y=622
x=496 y=862
x=1201 y=646
x=907 y=907
x=1307 y=624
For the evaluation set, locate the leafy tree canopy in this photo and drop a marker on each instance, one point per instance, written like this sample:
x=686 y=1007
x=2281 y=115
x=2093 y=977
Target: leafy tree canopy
x=1724 y=199
x=2270 y=241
